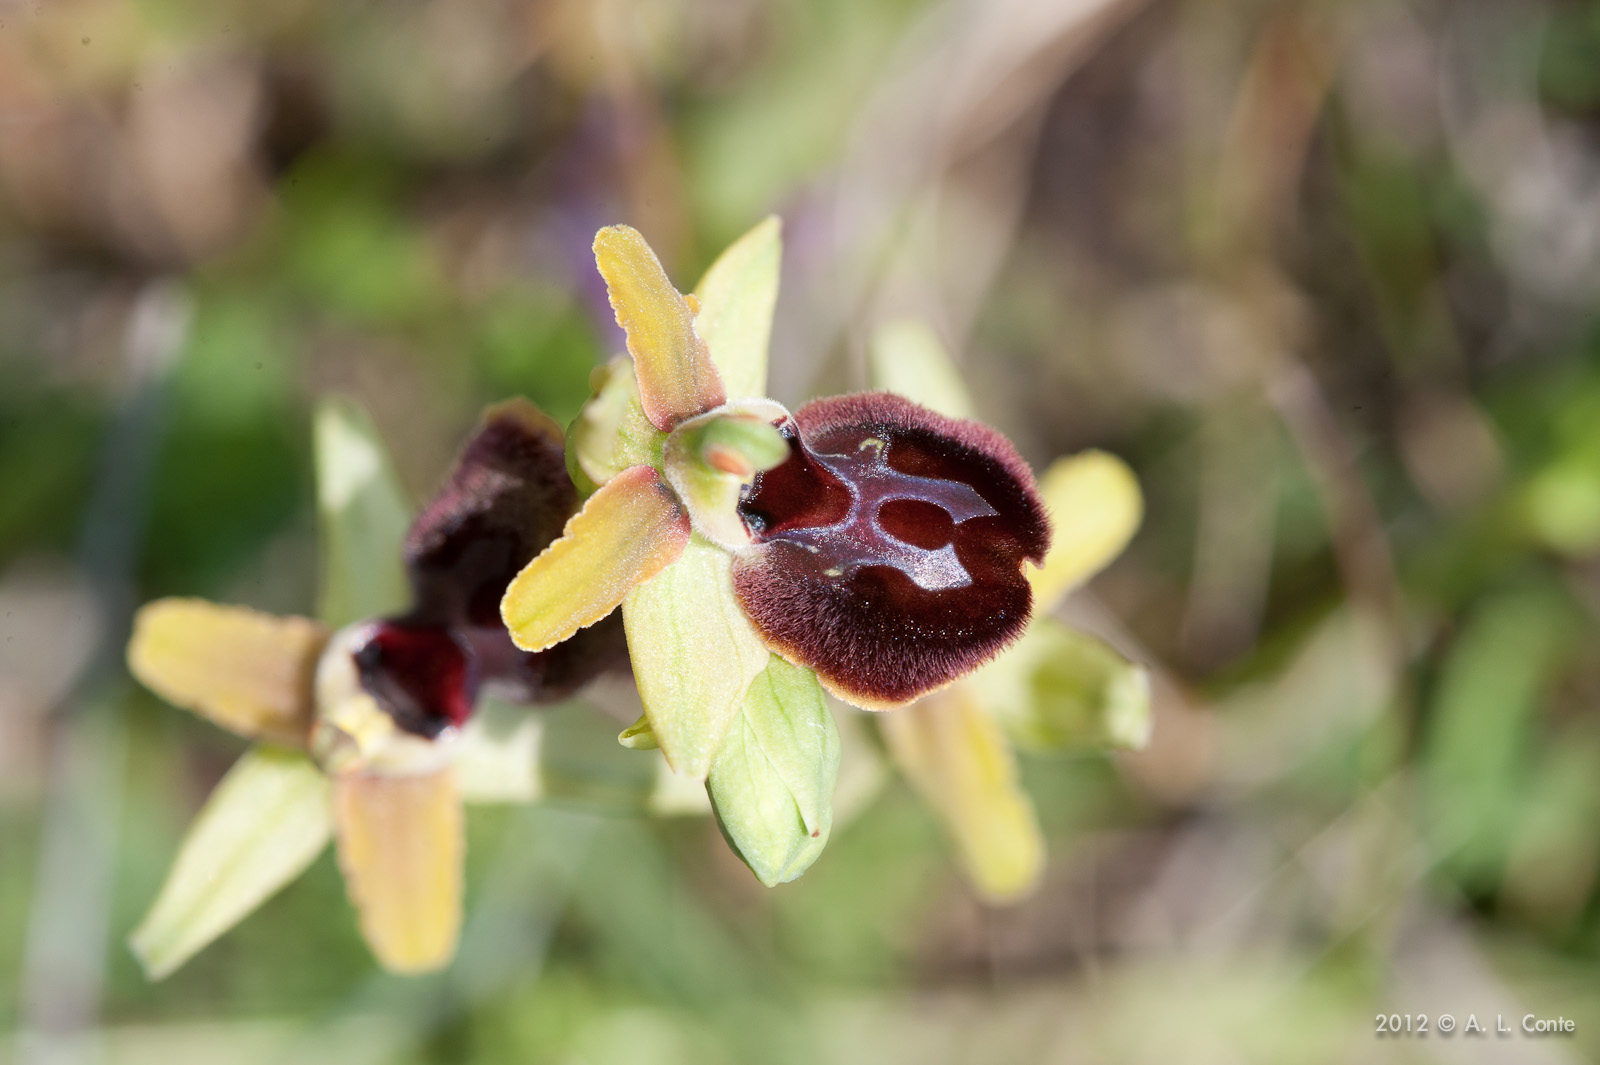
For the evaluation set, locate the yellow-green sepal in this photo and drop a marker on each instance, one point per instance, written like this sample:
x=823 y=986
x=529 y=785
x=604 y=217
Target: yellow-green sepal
x=611 y=432
x=1095 y=507
x=364 y=514
x=959 y=760
x=694 y=654
x=908 y=358
x=1058 y=690
x=263 y=824
x=737 y=296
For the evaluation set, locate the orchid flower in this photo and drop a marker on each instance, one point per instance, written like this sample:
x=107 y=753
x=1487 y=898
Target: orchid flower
x=364 y=721
x=863 y=545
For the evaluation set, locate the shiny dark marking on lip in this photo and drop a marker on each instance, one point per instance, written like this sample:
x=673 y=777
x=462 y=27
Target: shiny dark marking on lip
x=889 y=547
x=845 y=503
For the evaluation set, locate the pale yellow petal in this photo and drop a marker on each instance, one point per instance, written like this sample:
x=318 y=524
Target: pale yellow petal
x=400 y=847
x=1095 y=507
x=677 y=378
x=247 y=671
x=959 y=760
x=908 y=358
x=629 y=530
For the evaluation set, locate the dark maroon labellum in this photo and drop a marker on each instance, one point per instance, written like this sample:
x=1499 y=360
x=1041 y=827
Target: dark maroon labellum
x=889 y=546
x=505 y=500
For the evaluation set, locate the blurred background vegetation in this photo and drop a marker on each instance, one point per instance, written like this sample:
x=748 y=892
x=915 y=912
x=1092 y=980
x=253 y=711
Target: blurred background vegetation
x=1326 y=273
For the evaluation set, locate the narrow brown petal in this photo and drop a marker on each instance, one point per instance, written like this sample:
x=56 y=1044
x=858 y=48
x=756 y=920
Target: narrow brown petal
x=247 y=671
x=627 y=532
x=400 y=848
x=677 y=378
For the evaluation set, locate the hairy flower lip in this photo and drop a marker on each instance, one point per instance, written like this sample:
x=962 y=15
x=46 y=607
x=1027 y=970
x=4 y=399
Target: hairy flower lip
x=787 y=486
x=888 y=550
x=504 y=500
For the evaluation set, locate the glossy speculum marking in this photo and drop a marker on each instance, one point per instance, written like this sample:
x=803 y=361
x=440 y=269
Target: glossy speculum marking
x=889 y=547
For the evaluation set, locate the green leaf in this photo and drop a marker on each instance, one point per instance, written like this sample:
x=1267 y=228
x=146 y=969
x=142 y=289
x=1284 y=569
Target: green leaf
x=1060 y=690
x=1476 y=751
x=772 y=781
x=267 y=820
x=909 y=359
x=694 y=654
x=364 y=515
x=737 y=297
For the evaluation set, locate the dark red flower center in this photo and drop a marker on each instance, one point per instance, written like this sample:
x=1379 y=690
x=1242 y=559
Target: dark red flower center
x=421 y=675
